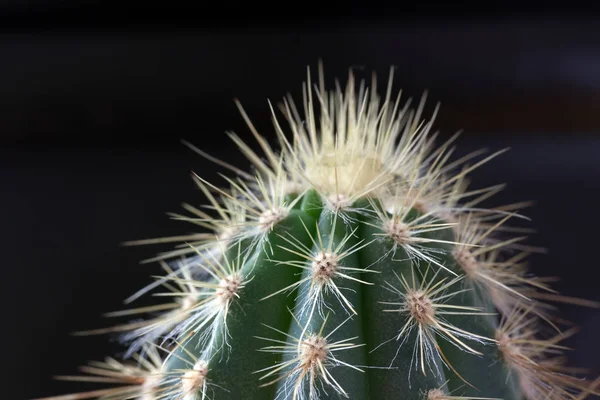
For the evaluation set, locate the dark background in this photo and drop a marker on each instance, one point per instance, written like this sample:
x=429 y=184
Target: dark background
x=95 y=99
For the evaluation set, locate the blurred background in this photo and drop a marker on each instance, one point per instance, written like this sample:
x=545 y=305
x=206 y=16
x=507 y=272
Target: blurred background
x=95 y=99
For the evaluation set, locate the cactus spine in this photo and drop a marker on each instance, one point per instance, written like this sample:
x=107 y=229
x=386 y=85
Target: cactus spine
x=354 y=262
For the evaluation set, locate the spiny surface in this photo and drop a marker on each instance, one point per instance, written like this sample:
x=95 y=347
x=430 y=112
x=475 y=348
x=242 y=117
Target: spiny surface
x=353 y=262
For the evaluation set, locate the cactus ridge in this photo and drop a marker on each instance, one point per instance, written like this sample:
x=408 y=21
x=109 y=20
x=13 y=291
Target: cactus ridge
x=353 y=262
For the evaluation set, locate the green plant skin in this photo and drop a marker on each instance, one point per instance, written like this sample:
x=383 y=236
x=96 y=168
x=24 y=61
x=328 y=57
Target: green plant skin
x=351 y=380
x=484 y=369
x=232 y=369
x=487 y=367
x=382 y=326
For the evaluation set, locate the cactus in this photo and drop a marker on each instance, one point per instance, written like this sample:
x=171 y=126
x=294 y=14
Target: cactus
x=354 y=261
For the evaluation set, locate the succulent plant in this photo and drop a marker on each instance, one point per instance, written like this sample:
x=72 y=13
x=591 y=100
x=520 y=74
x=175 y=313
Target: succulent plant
x=353 y=261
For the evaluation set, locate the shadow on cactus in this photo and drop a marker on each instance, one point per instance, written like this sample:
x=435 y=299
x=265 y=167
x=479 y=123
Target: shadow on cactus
x=353 y=262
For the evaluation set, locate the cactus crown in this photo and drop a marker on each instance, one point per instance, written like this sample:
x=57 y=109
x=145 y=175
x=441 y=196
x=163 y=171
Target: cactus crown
x=354 y=261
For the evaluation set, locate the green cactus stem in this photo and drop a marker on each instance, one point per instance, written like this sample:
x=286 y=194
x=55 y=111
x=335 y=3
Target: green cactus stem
x=354 y=263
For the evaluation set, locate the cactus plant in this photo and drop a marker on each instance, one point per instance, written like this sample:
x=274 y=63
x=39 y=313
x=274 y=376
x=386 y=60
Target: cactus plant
x=353 y=261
